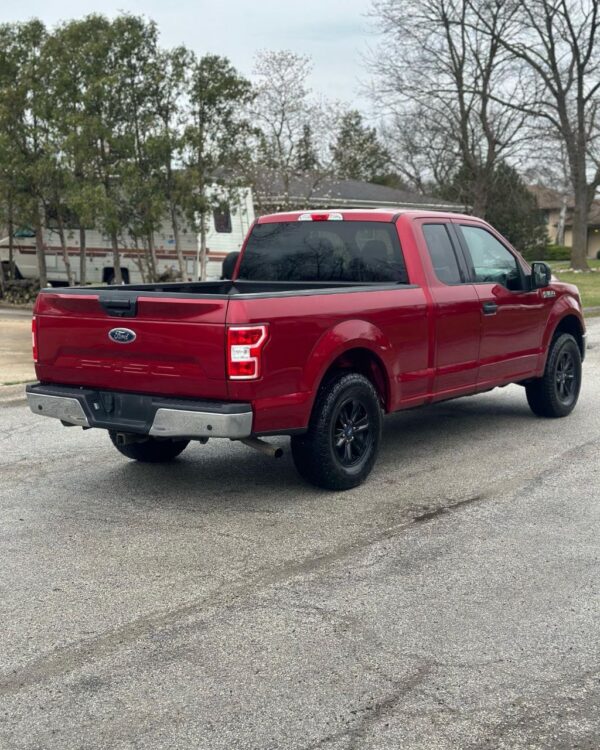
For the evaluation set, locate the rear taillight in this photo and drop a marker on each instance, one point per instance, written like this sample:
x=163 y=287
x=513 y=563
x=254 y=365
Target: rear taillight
x=34 y=338
x=244 y=348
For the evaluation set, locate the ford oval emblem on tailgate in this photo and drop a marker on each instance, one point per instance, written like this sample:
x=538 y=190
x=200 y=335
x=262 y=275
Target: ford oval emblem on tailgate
x=122 y=335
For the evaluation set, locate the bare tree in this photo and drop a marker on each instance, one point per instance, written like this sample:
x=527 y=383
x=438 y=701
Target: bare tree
x=438 y=73
x=557 y=41
x=293 y=129
x=425 y=158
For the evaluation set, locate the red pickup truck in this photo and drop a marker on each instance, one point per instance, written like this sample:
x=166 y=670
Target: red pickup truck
x=328 y=320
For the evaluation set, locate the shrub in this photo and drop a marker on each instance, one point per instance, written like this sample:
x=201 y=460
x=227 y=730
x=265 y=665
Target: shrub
x=22 y=292
x=550 y=252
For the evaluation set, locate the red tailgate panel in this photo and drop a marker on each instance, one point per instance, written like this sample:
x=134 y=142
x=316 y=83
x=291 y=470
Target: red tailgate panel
x=179 y=347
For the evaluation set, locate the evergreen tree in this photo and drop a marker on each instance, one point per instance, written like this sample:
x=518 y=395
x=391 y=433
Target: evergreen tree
x=214 y=139
x=357 y=152
x=513 y=210
x=306 y=155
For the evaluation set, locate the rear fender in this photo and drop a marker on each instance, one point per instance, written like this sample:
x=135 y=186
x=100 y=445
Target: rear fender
x=351 y=334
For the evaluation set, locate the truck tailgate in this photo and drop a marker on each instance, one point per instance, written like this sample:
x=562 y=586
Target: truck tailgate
x=172 y=345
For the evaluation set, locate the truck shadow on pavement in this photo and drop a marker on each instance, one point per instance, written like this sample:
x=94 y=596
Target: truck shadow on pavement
x=228 y=473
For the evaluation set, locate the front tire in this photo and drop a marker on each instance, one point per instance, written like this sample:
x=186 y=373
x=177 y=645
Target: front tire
x=151 y=451
x=556 y=392
x=340 y=447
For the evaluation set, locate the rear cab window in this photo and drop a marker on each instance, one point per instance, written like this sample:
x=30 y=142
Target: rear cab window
x=336 y=251
x=442 y=254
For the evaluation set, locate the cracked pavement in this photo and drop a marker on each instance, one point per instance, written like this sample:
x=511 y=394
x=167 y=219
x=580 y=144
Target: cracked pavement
x=218 y=602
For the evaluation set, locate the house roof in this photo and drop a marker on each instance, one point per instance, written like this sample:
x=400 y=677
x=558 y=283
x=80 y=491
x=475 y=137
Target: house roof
x=306 y=191
x=548 y=198
x=594 y=214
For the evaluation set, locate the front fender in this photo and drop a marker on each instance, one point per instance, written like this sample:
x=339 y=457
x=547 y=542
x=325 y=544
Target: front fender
x=341 y=338
x=564 y=307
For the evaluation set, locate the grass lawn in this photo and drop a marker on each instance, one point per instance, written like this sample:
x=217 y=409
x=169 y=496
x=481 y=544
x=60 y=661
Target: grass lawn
x=588 y=283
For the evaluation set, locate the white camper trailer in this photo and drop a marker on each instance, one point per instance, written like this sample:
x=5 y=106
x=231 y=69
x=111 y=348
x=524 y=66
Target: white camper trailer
x=226 y=231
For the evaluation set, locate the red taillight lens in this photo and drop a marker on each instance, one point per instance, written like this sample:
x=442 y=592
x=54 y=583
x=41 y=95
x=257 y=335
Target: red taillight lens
x=244 y=348
x=34 y=338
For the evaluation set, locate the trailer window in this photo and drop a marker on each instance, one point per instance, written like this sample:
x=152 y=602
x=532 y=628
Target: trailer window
x=222 y=219
x=360 y=251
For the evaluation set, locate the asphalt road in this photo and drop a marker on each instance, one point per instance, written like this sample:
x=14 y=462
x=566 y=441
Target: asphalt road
x=21 y=313
x=219 y=603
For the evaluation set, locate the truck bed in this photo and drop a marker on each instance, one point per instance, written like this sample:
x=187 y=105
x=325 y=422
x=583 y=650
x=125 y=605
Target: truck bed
x=179 y=333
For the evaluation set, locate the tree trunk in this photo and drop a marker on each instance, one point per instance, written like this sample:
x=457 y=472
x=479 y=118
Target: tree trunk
x=479 y=197
x=152 y=257
x=580 y=230
x=82 y=256
x=2 y=279
x=65 y=251
x=203 y=249
x=11 y=243
x=118 y=276
x=562 y=219
x=176 y=237
x=40 y=249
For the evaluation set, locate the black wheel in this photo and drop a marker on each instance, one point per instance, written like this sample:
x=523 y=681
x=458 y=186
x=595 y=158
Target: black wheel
x=556 y=392
x=340 y=447
x=151 y=451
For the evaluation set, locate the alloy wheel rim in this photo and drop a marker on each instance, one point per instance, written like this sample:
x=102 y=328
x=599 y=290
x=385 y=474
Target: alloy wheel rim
x=351 y=435
x=565 y=377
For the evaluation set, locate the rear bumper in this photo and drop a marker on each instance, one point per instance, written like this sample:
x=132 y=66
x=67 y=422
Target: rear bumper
x=141 y=414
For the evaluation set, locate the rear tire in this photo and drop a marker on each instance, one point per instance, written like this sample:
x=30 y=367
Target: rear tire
x=340 y=447
x=151 y=451
x=556 y=392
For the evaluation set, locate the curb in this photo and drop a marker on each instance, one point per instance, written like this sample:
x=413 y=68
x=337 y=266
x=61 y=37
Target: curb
x=13 y=395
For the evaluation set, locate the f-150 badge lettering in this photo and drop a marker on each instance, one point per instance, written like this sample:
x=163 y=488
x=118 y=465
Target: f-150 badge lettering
x=122 y=335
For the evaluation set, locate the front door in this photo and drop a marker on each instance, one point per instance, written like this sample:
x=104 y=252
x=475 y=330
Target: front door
x=512 y=315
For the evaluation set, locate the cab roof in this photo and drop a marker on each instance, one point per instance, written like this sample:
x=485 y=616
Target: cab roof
x=357 y=214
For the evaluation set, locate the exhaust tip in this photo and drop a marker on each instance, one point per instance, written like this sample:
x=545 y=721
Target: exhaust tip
x=263 y=447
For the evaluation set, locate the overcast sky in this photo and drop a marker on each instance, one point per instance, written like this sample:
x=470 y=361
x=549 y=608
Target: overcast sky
x=335 y=33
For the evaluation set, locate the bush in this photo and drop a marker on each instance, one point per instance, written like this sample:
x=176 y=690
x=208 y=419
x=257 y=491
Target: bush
x=21 y=292
x=550 y=252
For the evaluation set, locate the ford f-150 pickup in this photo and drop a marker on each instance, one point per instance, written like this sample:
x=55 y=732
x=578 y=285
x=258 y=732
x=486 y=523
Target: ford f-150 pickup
x=328 y=320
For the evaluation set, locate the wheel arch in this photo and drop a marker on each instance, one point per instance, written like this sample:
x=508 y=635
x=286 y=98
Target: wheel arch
x=356 y=346
x=569 y=322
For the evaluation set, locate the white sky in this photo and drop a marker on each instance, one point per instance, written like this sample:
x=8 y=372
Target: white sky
x=335 y=33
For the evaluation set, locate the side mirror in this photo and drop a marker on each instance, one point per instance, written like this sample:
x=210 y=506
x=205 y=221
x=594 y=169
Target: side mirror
x=541 y=275
x=229 y=263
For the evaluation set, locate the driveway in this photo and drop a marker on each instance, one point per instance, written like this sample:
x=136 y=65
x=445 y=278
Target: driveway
x=220 y=603
x=15 y=346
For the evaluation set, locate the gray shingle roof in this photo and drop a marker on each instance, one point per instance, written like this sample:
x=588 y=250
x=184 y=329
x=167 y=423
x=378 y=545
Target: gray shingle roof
x=305 y=192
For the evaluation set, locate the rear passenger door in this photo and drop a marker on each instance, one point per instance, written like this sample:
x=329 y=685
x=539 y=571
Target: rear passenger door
x=512 y=315
x=456 y=318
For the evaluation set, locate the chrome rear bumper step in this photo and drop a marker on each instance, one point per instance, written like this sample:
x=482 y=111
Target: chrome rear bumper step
x=141 y=414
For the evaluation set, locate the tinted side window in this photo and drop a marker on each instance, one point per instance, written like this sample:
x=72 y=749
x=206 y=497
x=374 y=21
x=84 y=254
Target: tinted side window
x=492 y=263
x=353 y=251
x=441 y=252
